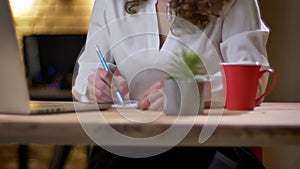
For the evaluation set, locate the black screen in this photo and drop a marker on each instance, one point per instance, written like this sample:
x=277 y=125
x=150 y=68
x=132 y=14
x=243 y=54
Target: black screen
x=50 y=60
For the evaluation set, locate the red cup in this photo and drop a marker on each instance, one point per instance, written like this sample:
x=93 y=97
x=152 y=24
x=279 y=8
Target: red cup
x=241 y=82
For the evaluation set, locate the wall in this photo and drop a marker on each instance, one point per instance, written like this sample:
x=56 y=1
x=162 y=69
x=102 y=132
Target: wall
x=283 y=18
x=51 y=16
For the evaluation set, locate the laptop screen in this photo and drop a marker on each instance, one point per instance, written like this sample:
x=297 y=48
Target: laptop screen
x=50 y=62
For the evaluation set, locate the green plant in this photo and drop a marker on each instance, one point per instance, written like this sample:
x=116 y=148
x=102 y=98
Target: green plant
x=186 y=65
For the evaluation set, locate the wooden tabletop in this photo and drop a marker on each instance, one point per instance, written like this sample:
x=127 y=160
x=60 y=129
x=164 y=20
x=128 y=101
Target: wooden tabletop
x=267 y=125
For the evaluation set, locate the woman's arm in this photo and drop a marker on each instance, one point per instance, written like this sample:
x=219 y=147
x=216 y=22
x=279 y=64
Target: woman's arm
x=245 y=36
x=88 y=61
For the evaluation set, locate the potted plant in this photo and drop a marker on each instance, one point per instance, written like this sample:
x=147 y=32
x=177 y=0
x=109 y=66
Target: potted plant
x=184 y=88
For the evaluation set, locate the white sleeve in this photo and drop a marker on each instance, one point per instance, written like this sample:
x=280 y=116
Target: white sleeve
x=88 y=61
x=245 y=36
x=98 y=17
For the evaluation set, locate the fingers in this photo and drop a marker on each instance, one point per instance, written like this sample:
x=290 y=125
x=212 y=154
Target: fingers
x=157 y=85
x=98 y=89
x=102 y=84
x=153 y=98
x=157 y=102
x=119 y=83
x=104 y=76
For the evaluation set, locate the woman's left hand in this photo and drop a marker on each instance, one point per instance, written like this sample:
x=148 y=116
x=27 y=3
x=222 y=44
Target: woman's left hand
x=153 y=98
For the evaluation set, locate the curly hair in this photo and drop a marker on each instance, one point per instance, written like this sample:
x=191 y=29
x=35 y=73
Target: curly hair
x=199 y=12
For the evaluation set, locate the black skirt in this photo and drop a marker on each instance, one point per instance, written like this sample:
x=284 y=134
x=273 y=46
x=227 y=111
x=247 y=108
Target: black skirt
x=179 y=157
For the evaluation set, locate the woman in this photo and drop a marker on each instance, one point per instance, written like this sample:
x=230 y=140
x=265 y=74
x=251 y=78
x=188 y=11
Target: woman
x=233 y=28
x=140 y=37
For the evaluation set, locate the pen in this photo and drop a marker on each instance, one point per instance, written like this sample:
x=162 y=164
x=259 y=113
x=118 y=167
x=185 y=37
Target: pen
x=105 y=67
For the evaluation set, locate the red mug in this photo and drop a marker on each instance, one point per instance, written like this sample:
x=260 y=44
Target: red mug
x=241 y=82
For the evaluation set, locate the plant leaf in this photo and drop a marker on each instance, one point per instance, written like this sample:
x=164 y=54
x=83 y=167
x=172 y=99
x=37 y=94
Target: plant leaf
x=186 y=65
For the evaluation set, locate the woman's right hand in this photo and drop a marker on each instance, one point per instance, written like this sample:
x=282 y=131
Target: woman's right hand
x=99 y=88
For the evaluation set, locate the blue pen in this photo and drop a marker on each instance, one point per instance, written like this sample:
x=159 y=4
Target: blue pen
x=105 y=67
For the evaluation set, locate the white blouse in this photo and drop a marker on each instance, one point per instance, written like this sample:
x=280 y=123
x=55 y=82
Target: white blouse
x=131 y=42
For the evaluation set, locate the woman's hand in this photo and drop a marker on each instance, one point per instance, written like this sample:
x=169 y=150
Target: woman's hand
x=99 y=89
x=153 y=98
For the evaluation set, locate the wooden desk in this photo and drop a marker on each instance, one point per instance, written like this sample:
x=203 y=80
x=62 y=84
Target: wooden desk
x=268 y=125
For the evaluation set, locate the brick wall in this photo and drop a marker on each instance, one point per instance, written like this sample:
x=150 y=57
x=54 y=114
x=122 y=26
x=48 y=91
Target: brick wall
x=51 y=16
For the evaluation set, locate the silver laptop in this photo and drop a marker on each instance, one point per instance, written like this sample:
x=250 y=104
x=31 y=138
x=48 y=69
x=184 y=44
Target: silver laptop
x=14 y=93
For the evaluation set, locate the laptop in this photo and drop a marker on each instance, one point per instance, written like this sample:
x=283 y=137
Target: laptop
x=14 y=92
